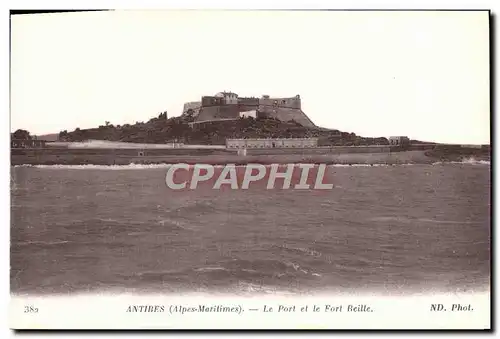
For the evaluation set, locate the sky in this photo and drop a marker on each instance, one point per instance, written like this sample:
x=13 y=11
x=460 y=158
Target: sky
x=420 y=74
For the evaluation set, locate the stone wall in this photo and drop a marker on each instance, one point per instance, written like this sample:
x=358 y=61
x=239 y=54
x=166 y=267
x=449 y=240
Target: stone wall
x=248 y=101
x=272 y=143
x=218 y=112
x=284 y=109
x=281 y=102
x=208 y=101
x=208 y=113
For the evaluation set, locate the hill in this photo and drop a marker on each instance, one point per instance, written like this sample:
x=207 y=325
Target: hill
x=48 y=137
x=162 y=130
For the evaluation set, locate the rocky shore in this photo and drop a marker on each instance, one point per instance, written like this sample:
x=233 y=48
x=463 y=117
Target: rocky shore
x=455 y=153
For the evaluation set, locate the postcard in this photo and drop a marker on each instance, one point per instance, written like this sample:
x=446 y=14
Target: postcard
x=250 y=169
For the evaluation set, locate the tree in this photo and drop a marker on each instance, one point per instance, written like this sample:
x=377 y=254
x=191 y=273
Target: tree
x=21 y=134
x=189 y=116
x=63 y=135
x=107 y=123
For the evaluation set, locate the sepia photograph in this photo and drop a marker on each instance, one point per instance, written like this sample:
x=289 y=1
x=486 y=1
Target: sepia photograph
x=250 y=169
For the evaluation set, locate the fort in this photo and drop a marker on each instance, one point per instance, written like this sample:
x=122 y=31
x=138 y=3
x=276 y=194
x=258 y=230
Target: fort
x=228 y=105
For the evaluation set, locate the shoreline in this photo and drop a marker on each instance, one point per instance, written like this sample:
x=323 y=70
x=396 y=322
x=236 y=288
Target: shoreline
x=390 y=158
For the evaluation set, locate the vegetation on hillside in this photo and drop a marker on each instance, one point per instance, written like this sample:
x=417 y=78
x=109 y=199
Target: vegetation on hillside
x=21 y=134
x=162 y=130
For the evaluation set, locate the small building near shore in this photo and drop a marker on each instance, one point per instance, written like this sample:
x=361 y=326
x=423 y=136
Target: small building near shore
x=472 y=146
x=27 y=143
x=402 y=141
x=272 y=143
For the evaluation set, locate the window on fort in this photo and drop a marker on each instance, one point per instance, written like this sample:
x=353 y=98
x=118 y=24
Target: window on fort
x=283 y=101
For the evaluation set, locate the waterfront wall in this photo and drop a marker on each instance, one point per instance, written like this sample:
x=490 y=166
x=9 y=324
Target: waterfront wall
x=228 y=158
x=106 y=156
x=325 y=150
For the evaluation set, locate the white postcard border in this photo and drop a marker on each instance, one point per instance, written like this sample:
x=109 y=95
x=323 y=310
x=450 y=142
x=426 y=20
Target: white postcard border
x=172 y=4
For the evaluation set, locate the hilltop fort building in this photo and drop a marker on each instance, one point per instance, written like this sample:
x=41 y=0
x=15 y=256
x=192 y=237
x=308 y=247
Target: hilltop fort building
x=229 y=106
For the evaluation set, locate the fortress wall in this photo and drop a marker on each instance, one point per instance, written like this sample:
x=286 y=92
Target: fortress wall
x=229 y=112
x=207 y=101
x=218 y=112
x=265 y=111
x=208 y=113
x=281 y=102
x=284 y=109
x=248 y=101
